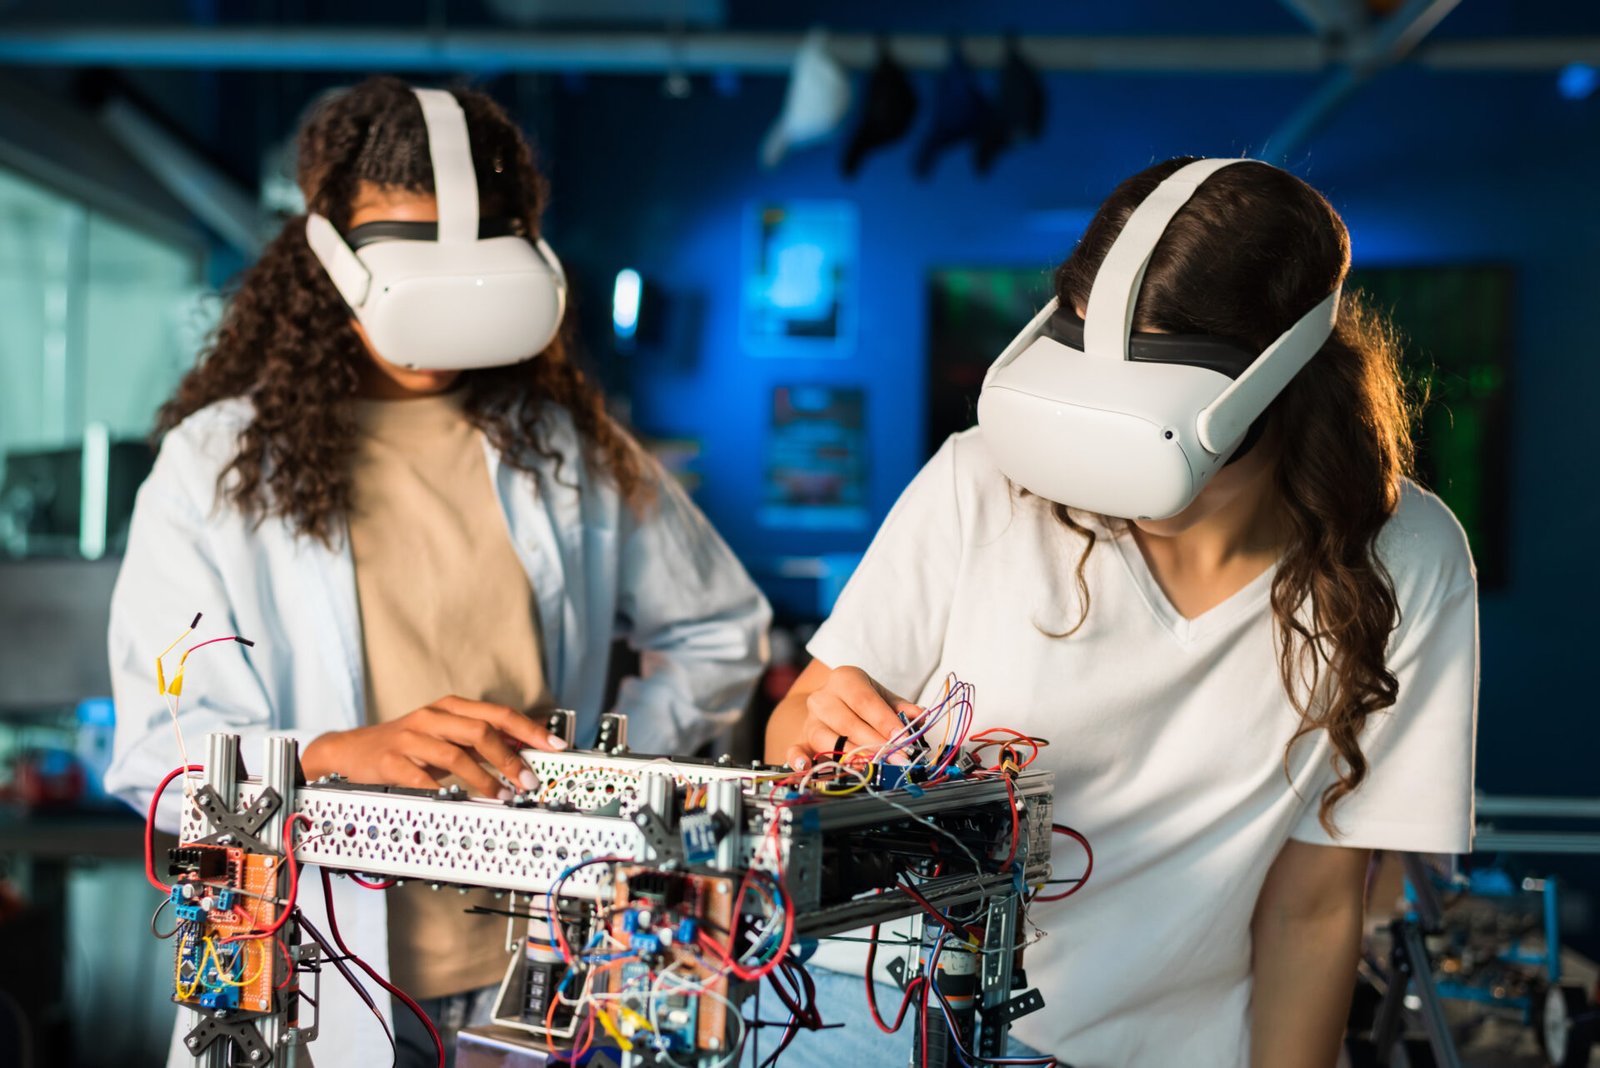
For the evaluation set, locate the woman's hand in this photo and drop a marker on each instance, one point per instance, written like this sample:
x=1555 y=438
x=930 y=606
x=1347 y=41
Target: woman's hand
x=451 y=736
x=824 y=704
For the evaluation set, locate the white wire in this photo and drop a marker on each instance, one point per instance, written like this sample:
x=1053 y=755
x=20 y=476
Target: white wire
x=183 y=750
x=735 y=1043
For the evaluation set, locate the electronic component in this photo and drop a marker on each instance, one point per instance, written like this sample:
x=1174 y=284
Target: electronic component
x=201 y=862
x=662 y=890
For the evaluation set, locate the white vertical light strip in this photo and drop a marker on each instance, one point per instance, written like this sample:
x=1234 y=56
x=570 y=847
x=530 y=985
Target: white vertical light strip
x=94 y=475
x=53 y=345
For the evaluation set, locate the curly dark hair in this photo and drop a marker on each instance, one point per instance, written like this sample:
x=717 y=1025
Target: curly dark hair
x=1252 y=251
x=286 y=341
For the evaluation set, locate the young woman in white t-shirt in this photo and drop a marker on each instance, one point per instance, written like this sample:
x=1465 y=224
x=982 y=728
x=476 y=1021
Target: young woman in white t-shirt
x=1242 y=701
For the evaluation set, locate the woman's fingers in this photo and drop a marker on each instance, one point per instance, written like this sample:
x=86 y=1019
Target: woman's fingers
x=397 y=769
x=526 y=731
x=870 y=702
x=427 y=749
x=477 y=735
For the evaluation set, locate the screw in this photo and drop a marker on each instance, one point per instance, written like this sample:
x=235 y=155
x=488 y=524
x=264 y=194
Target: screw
x=256 y=1054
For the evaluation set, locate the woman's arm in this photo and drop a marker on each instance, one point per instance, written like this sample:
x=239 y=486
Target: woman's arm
x=1306 y=937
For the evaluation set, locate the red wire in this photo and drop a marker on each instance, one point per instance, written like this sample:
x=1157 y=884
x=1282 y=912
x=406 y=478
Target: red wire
x=872 y=995
x=213 y=641
x=394 y=991
x=150 y=827
x=294 y=882
x=1011 y=796
x=288 y=964
x=1088 y=867
x=922 y=1020
x=754 y=974
x=359 y=881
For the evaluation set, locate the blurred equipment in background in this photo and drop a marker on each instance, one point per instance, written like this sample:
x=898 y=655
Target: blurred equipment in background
x=1019 y=109
x=816 y=103
x=960 y=113
x=886 y=111
x=75 y=501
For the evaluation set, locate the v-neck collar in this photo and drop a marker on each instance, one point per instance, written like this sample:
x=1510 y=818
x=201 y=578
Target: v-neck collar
x=1244 y=601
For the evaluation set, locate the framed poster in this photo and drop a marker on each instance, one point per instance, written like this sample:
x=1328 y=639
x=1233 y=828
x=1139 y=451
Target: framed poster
x=799 y=292
x=816 y=477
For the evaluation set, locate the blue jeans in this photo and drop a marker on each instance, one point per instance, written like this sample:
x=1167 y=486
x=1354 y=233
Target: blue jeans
x=841 y=999
x=413 y=1046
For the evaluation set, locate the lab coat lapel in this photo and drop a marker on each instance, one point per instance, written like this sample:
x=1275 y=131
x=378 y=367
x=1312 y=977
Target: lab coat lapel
x=543 y=526
x=330 y=585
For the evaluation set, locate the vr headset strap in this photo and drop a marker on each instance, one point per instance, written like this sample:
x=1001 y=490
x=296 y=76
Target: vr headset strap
x=455 y=184
x=1225 y=419
x=1109 y=318
x=350 y=276
x=1020 y=343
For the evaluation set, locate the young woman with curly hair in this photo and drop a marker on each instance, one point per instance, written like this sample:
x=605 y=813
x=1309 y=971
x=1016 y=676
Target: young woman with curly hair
x=422 y=558
x=1242 y=700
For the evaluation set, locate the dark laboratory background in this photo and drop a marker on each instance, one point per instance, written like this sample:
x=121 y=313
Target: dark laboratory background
x=797 y=234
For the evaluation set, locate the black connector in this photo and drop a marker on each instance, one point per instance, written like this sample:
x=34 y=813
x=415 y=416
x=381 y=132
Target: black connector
x=207 y=862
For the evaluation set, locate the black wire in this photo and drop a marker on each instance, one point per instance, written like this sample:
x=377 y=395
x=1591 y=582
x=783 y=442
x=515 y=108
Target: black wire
x=156 y=915
x=487 y=910
x=1048 y=1060
x=355 y=984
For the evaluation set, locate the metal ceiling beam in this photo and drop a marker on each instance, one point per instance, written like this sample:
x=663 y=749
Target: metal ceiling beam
x=62 y=148
x=1329 y=16
x=466 y=52
x=1386 y=44
x=460 y=51
x=213 y=197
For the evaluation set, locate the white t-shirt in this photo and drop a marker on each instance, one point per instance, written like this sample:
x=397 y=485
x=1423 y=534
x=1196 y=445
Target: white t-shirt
x=1167 y=741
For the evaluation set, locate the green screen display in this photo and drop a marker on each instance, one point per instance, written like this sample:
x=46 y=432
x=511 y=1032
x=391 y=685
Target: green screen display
x=1455 y=326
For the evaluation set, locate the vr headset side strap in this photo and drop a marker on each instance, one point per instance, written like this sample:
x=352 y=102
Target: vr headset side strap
x=455 y=184
x=349 y=275
x=1225 y=419
x=1109 y=317
x=1020 y=343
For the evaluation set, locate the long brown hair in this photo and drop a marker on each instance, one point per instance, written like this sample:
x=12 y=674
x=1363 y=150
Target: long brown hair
x=1251 y=252
x=286 y=343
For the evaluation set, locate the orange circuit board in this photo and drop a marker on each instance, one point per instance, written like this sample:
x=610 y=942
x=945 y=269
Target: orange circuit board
x=219 y=892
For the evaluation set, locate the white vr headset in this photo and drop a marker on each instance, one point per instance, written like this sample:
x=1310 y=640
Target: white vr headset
x=1090 y=415
x=453 y=295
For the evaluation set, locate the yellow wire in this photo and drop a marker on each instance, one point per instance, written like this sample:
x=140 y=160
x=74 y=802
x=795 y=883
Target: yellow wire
x=260 y=962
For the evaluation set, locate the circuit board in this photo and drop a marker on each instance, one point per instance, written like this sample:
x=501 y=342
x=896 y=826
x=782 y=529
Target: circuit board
x=219 y=892
x=660 y=917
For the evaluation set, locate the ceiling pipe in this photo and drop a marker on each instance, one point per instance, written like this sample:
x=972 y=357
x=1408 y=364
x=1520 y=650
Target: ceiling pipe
x=1388 y=43
x=462 y=51
x=465 y=52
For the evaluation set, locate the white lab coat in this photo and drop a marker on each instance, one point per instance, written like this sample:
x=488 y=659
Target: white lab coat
x=664 y=580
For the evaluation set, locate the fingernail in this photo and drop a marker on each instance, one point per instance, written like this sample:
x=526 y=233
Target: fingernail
x=528 y=779
x=899 y=759
x=504 y=794
x=798 y=763
x=557 y=742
